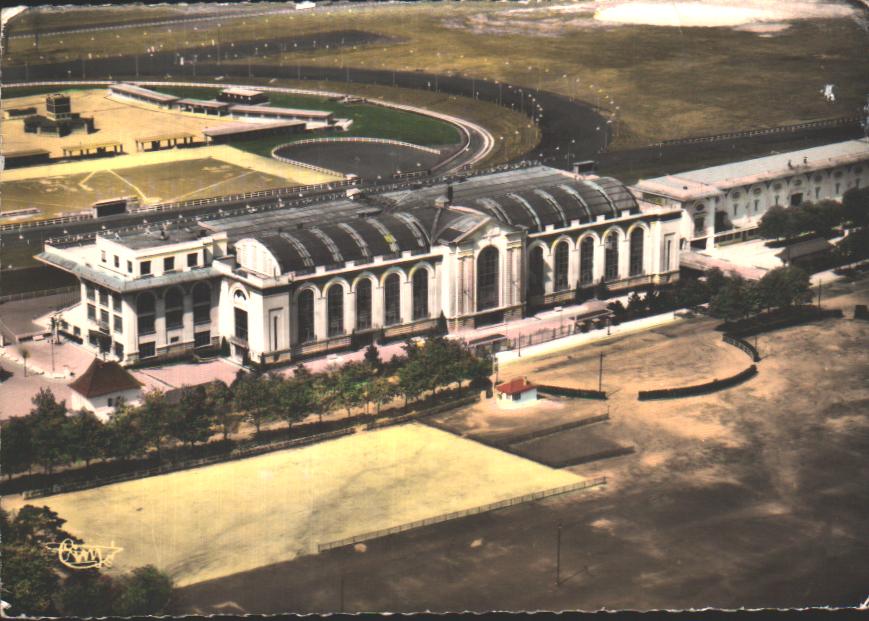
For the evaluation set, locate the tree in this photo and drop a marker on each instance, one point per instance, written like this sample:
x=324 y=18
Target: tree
x=294 y=399
x=372 y=357
x=715 y=280
x=145 y=591
x=29 y=580
x=218 y=401
x=190 y=420
x=855 y=246
x=325 y=392
x=86 y=436
x=37 y=526
x=25 y=354
x=86 y=593
x=820 y=218
x=252 y=396
x=380 y=391
x=351 y=385
x=601 y=290
x=123 y=437
x=50 y=430
x=783 y=287
x=153 y=419
x=412 y=379
x=636 y=307
x=735 y=300
x=691 y=292
x=855 y=206
x=16 y=448
x=775 y=223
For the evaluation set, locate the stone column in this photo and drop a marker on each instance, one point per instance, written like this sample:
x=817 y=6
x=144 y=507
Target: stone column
x=321 y=327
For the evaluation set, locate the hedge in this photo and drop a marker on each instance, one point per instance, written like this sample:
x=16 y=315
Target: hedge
x=699 y=389
x=745 y=346
x=563 y=391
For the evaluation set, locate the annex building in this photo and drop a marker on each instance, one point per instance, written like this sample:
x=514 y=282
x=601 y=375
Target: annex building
x=726 y=202
x=290 y=283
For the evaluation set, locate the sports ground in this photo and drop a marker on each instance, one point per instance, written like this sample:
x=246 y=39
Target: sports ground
x=211 y=522
x=153 y=177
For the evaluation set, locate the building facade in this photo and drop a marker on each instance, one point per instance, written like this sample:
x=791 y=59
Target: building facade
x=291 y=283
x=726 y=202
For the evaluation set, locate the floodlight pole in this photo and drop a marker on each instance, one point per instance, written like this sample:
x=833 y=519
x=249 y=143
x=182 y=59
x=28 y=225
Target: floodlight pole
x=558 y=557
x=600 y=374
x=341 y=589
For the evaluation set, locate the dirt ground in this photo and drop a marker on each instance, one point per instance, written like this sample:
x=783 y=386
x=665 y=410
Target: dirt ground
x=115 y=120
x=754 y=496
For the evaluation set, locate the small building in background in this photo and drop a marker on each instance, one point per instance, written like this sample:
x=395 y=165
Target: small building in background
x=246 y=96
x=518 y=391
x=102 y=386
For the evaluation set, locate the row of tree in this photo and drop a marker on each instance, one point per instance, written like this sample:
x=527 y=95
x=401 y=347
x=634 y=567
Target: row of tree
x=817 y=218
x=35 y=583
x=737 y=298
x=49 y=437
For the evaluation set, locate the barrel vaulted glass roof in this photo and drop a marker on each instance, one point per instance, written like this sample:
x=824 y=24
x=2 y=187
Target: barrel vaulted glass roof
x=331 y=233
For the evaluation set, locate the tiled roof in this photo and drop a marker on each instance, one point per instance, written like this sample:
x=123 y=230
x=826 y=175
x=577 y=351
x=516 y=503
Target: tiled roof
x=104 y=377
x=515 y=386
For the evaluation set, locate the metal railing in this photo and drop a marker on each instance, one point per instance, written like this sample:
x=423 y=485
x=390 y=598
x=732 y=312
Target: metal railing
x=836 y=122
x=564 y=489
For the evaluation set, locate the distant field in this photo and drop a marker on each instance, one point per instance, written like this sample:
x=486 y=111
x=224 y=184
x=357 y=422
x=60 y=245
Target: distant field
x=219 y=520
x=666 y=82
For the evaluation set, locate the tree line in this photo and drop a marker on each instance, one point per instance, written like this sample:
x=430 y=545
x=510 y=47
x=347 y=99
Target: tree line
x=36 y=583
x=51 y=437
x=820 y=219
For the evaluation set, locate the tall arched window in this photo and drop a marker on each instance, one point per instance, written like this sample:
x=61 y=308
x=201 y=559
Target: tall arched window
x=700 y=223
x=174 y=309
x=305 y=316
x=420 y=294
x=146 y=310
x=363 y=304
x=335 y=310
x=611 y=256
x=562 y=259
x=487 y=279
x=239 y=299
x=392 y=300
x=201 y=303
x=536 y=271
x=586 y=261
x=637 y=238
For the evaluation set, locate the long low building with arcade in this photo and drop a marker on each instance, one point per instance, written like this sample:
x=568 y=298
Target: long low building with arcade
x=284 y=284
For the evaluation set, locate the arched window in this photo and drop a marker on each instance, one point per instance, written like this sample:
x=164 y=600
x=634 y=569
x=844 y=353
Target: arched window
x=536 y=271
x=305 y=316
x=363 y=304
x=487 y=279
x=700 y=224
x=174 y=309
x=562 y=258
x=335 y=310
x=392 y=300
x=637 y=238
x=611 y=256
x=420 y=294
x=201 y=303
x=586 y=261
x=146 y=308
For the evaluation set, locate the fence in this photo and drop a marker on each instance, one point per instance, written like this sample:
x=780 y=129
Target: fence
x=300 y=164
x=795 y=317
x=745 y=346
x=14 y=297
x=837 y=122
x=564 y=391
x=585 y=459
x=322 y=547
x=548 y=431
x=699 y=389
x=398 y=143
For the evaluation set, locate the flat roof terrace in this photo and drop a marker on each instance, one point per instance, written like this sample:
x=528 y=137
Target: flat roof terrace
x=281 y=112
x=138 y=91
x=708 y=181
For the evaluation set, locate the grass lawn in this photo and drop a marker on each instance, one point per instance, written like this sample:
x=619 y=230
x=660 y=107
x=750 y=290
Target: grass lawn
x=667 y=82
x=218 y=520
